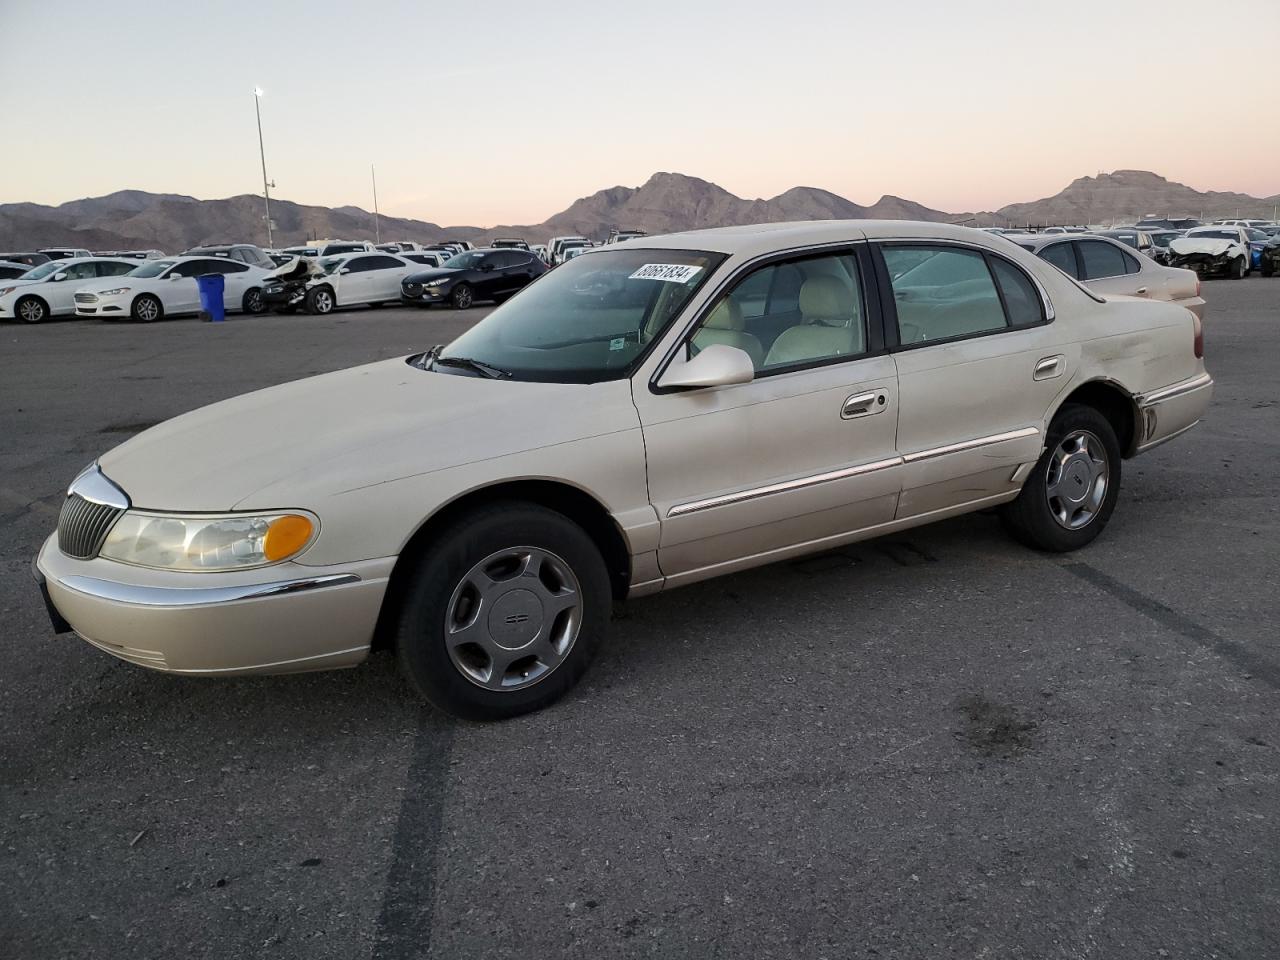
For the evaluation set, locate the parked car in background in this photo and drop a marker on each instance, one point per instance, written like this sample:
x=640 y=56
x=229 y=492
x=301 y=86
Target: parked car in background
x=908 y=372
x=555 y=244
x=539 y=251
x=1167 y=223
x=167 y=288
x=246 y=253
x=470 y=277
x=131 y=254
x=568 y=253
x=336 y=248
x=303 y=250
x=30 y=259
x=1137 y=239
x=1213 y=252
x=49 y=289
x=9 y=269
x=355 y=279
x=284 y=290
x=428 y=258
x=566 y=246
x=619 y=236
x=65 y=253
x=1160 y=239
x=1270 y=260
x=1108 y=266
x=280 y=258
x=407 y=245
x=1258 y=240
x=509 y=243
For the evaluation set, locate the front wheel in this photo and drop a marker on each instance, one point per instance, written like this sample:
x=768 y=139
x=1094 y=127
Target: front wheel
x=253 y=302
x=1070 y=494
x=146 y=309
x=31 y=310
x=320 y=301
x=1242 y=268
x=462 y=297
x=503 y=612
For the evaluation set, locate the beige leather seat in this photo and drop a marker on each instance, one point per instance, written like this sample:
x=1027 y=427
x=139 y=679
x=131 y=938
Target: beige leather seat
x=726 y=325
x=830 y=324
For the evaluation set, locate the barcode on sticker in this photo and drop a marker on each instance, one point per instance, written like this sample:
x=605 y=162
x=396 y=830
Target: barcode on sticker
x=674 y=272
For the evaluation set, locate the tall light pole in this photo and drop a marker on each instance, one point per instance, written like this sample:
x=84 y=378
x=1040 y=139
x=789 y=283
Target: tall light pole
x=262 y=152
x=377 y=231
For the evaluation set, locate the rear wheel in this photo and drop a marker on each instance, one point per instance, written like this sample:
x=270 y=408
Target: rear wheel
x=146 y=309
x=462 y=297
x=31 y=309
x=503 y=612
x=1070 y=494
x=320 y=301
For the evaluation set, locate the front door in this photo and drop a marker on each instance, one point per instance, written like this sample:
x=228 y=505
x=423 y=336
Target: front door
x=802 y=455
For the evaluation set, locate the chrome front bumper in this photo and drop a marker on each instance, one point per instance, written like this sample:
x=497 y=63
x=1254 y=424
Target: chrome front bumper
x=281 y=619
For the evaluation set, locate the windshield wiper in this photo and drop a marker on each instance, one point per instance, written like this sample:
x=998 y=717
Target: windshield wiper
x=492 y=372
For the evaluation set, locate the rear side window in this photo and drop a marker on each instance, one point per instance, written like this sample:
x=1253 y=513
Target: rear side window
x=1131 y=264
x=115 y=269
x=1021 y=301
x=380 y=263
x=1062 y=256
x=942 y=293
x=1101 y=260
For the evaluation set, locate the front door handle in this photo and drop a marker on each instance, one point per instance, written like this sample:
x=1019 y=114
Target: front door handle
x=864 y=404
x=1142 y=291
x=1048 y=368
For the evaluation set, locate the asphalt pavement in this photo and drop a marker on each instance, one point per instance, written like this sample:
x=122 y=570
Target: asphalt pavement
x=935 y=745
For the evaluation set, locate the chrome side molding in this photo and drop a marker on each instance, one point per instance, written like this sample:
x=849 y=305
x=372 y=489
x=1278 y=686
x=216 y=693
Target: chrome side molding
x=1175 y=390
x=784 y=486
x=970 y=444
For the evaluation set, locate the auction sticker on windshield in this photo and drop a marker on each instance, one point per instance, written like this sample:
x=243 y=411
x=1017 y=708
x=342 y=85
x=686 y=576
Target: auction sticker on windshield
x=673 y=272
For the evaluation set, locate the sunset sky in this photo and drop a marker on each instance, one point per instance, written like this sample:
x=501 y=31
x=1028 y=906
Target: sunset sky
x=484 y=113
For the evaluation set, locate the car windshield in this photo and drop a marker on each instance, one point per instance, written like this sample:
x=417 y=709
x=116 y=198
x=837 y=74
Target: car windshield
x=152 y=268
x=1256 y=234
x=589 y=320
x=44 y=270
x=1161 y=238
x=466 y=261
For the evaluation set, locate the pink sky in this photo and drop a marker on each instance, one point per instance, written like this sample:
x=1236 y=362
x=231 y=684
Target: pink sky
x=957 y=106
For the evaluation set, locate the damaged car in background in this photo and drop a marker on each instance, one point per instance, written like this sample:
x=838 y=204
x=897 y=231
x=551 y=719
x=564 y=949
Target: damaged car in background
x=1212 y=252
x=285 y=289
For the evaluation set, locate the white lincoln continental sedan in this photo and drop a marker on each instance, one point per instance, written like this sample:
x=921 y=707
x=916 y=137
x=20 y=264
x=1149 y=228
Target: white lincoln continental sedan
x=646 y=415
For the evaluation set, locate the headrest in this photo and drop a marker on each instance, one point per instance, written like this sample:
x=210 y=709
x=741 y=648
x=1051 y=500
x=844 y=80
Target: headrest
x=827 y=299
x=726 y=316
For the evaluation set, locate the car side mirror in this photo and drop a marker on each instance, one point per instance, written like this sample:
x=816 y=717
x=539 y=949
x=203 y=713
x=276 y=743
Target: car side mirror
x=176 y=276
x=59 y=277
x=715 y=365
x=344 y=270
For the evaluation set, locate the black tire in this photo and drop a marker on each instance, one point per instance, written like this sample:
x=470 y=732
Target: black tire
x=441 y=570
x=31 y=309
x=253 y=302
x=146 y=309
x=320 y=301
x=462 y=297
x=1267 y=270
x=1241 y=269
x=1030 y=518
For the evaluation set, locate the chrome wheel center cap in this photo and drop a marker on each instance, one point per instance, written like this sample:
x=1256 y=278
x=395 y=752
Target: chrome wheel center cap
x=515 y=619
x=1077 y=480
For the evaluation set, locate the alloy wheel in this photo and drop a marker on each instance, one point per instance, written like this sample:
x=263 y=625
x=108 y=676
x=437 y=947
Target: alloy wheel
x=31 y=311
x=462 y=298
x=1077 y=479
x=147 y=309
x=513 y=618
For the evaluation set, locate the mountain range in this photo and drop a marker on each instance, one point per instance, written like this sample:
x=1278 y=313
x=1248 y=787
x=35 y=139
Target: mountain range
x=665 y=203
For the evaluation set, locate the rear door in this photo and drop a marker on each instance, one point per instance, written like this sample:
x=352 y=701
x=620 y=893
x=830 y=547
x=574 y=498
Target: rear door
x=979 y=364
x=385 y=273
x=354 y=286
x=236 y=278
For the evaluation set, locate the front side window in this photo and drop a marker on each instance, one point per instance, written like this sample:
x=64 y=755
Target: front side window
x=81 y=271
x=1101 y=260
x=152 y=268
x=942 y=293
x=791 y=314
x=591 y=319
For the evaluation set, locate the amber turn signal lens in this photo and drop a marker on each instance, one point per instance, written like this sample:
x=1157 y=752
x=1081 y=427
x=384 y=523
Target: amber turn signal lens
x=285 y=537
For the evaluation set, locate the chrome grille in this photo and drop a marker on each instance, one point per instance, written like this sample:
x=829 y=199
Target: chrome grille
x=413 y=289
x=86 y=298
x=83 y=525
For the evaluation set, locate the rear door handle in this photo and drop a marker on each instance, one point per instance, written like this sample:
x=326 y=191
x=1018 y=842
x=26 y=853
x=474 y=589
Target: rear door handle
x=1142 y=291
x=864 y=404
x=1047 y=368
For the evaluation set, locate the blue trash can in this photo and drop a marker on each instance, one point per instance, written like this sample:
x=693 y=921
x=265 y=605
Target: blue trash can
x=211 y=306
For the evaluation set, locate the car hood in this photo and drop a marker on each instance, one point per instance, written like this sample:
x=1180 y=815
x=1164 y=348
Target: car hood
x=296 y=444
x=1213 y=246
x=432 y=273
x=15 y=282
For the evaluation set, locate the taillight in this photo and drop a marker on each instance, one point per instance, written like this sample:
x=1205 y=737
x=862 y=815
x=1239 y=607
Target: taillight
x=1198 y=342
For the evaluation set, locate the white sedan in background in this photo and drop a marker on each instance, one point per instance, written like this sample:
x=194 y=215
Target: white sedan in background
x=47 y=290
x=167 y=288
x=358 y=278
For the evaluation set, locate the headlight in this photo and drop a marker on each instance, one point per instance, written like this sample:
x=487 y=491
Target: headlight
x=5 y=291
x=440 y=282
x=114 y=293
x=193 y=543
